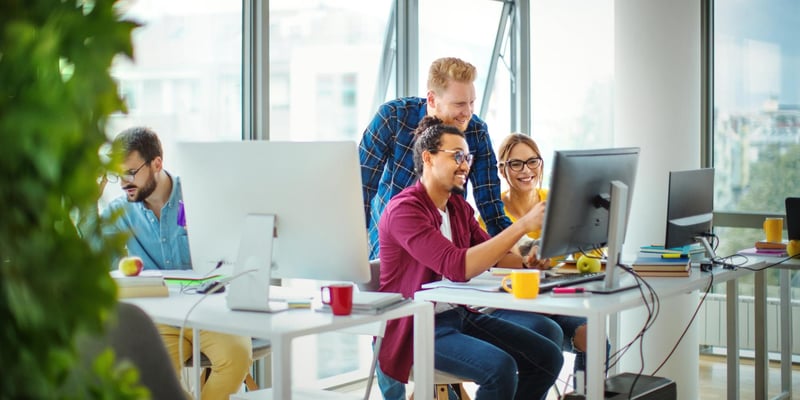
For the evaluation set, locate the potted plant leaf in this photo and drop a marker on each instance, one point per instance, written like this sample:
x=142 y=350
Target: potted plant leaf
x=56 y=93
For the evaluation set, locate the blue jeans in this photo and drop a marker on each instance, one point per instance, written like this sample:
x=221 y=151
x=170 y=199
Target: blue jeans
x=506 y=360
x=559 y=328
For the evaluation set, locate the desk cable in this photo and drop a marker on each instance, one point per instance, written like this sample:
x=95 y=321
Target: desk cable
x=776 y=263
x=184 y=373
x=689 y=324
x=653 y=307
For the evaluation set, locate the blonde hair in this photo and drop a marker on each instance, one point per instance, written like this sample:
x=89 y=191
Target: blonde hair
x=449 y=68
x=509 y=143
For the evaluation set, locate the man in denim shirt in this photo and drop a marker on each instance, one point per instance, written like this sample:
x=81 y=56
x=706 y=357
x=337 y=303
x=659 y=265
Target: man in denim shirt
x=386 y=148
x=149 y=212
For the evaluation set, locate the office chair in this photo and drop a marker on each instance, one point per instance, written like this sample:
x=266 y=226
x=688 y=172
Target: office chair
x=261 y=349
x=442 y=380
x=134 y=338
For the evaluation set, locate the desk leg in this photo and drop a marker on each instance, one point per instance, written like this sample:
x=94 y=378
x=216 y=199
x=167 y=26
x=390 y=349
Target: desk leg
x=423 y=352
x=760 y=304
x=196 y=361
x=281 y=367
x=732 y=329
x=595 y=356
x=786 y=335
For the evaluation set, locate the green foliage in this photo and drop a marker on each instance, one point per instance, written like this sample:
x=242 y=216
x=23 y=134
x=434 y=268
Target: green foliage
x=773 y=178
x=55 y=96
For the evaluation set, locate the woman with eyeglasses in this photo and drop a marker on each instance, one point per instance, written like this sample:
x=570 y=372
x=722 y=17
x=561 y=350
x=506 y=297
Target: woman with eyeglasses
x=520 y=163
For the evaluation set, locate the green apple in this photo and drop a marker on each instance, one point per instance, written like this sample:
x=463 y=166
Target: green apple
x=130 y=266
x=793 y=248
x=588 y=264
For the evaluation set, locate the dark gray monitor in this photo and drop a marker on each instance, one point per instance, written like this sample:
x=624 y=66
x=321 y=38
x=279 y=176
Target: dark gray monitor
x=589 y=204
x=690 y=206
x=793 y=217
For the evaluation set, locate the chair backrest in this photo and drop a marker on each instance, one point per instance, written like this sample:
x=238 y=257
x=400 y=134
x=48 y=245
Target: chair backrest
x=374 y=282
x=133 y=337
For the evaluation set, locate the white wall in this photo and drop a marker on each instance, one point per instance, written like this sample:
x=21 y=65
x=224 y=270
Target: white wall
x=657 y=108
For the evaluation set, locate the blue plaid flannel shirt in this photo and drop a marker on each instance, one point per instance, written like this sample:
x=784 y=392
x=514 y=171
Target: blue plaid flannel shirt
x=386 y=152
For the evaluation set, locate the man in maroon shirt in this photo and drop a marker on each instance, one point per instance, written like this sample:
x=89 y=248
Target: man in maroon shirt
x=425 y=234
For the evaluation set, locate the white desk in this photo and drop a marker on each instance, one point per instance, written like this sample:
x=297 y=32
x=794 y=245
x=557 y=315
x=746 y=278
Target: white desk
x=596 y=309
x=760 y=304
x=281 y=328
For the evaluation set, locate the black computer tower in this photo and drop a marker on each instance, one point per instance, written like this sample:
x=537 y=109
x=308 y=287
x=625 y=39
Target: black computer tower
x=647 y=387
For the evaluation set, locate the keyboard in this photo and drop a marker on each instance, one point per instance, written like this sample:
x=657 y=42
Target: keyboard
x=549 y=282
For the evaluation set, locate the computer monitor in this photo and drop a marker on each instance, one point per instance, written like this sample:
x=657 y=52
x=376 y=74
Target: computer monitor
x=793 y=218
x=588 y=206
x=234 y=192
x=690 y=208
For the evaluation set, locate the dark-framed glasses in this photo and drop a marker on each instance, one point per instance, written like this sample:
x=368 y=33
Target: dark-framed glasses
x=460 y=156
x=126 y=176
x=516 y=165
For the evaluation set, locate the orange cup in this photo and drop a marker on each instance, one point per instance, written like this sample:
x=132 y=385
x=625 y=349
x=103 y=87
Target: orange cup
x=773 y=229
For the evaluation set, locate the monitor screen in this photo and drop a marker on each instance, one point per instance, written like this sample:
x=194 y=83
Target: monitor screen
x=575 y=218
x=690 y=206
x=588 y=208
x=312 y=188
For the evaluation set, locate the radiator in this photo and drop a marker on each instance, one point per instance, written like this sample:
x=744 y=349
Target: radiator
x=711 y=323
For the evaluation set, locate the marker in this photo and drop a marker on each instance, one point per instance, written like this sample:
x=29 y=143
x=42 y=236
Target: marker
x=674 y=255
x=570 y=292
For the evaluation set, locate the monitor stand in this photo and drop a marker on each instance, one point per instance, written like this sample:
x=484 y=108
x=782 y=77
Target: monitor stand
x=250 y=281
x=617 y=215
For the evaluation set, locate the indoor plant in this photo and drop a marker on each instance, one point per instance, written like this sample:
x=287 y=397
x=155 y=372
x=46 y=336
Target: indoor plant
x=55 y=96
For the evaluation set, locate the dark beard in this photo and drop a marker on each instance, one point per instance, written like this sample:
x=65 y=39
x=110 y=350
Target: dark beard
x=459 y=190
x=145 y=191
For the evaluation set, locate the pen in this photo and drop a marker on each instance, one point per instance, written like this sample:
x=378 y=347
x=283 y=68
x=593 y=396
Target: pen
x=674 y=255
x=569 y=292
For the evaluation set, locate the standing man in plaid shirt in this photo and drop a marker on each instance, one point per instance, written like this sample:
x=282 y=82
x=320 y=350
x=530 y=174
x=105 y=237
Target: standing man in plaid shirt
x=386 y=148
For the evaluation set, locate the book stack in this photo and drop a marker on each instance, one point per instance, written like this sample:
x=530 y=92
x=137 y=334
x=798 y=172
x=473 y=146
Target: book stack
x=373 y=302
x=146 y=284
x=769 y=249
x=663 y=265
x=690 y=249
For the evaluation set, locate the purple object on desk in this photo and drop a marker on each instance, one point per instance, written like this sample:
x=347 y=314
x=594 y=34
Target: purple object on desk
x=181 y=214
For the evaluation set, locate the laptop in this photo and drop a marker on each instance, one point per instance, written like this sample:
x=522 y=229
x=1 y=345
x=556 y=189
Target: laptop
x=793 y=217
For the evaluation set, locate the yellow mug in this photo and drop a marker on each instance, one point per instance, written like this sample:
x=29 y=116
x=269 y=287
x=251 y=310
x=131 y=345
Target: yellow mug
x=524 y=283
x=773 y=229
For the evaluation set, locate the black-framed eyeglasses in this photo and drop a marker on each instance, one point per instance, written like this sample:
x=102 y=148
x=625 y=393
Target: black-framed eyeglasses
x=127 y=176
x=516 y=165
x=460 y=156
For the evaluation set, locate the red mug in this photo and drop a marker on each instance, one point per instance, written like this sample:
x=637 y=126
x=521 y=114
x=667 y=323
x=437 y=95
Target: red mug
x=339 y=296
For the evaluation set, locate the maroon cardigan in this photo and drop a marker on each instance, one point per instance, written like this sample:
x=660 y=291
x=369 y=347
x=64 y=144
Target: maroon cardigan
x=413 y=251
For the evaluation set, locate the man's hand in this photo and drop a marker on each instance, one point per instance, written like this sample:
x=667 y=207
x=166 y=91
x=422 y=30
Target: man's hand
x=534 y=218
x=530 y=259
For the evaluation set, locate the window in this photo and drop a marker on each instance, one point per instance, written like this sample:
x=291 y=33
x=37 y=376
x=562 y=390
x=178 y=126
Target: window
x=185 y=80
x=756 y=114
x=324 y=58
x=572 y=75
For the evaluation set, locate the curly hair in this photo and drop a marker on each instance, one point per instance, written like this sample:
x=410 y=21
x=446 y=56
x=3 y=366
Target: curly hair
x=428 y=136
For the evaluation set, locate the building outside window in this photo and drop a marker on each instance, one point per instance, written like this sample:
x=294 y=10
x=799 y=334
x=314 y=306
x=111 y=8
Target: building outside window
x=756 y=116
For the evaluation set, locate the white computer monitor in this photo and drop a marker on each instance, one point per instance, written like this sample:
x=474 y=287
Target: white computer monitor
x=588 y=206
x=313 y=190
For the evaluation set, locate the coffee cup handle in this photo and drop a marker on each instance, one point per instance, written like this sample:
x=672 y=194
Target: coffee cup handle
x=504 y=282
x=322 y=296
